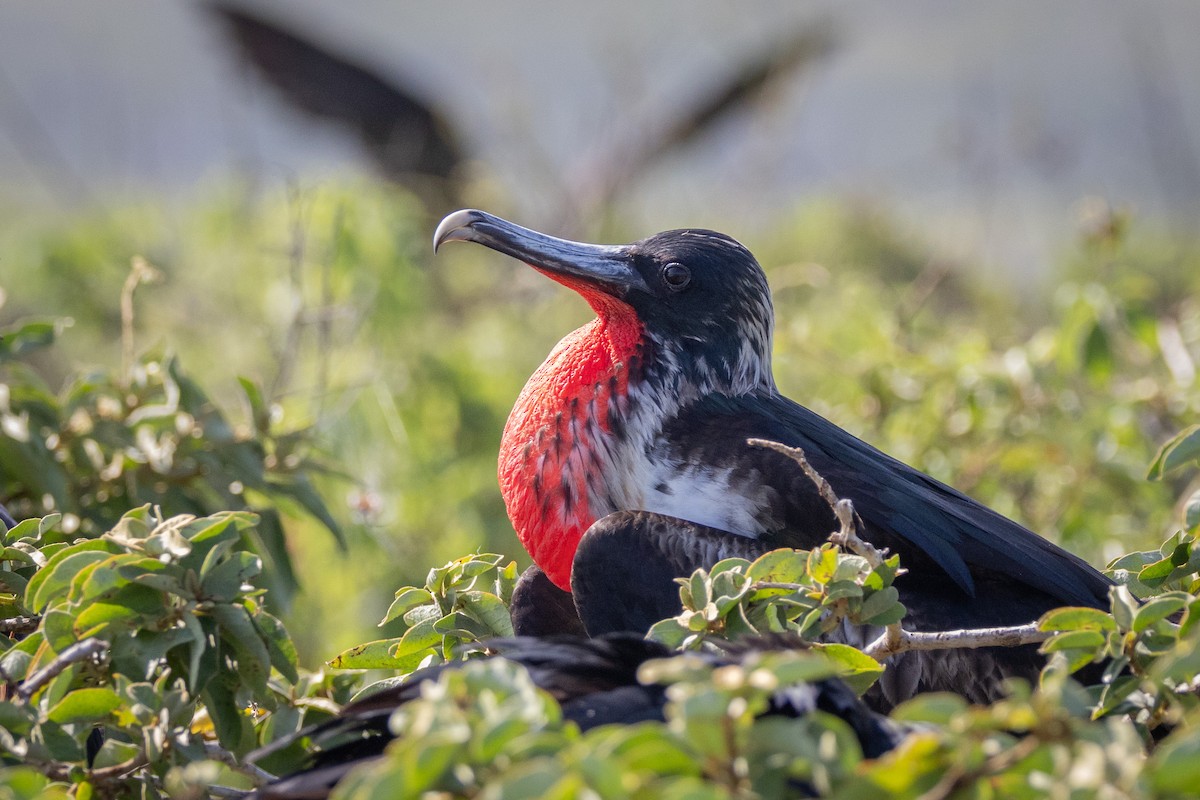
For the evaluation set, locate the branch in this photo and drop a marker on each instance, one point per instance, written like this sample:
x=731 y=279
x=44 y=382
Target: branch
x=140 y=272
x=958 y=776
x=895 y=639
x=64 y=772
x=218 y=753
x=80 y=651
x=849 y=525
x=1014 y=636
x=228 y=791
x=21 y=626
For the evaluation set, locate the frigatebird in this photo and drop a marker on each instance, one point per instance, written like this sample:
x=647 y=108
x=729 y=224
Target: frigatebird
x=594 y=680
x=625 y=464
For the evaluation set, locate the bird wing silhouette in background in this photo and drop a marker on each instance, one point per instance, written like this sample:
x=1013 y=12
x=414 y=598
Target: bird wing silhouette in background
x=407 y=139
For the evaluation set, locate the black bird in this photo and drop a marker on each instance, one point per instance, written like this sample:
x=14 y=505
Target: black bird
x=6 y=519
x=407 y=137
x=594 y=681
x=625 y=463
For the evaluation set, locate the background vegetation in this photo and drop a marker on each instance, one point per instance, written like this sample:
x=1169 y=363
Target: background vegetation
x=353 y=393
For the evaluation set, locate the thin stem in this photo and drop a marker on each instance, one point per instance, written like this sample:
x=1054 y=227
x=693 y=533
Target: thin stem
x=21 y=626
x=80 y=651
x=849 y=523
x=1013 y=636
x=218 y=753
x=140 y=272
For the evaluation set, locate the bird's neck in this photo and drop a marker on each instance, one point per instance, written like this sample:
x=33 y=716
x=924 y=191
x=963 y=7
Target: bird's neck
x=560 y=432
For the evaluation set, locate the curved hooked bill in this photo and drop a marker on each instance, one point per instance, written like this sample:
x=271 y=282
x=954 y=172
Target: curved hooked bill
x=608 y=267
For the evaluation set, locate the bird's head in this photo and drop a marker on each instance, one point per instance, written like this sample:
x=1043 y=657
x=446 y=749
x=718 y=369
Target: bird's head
x=700 y=298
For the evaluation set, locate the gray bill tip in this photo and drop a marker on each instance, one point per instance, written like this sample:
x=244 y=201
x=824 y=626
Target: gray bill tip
x=456 y=227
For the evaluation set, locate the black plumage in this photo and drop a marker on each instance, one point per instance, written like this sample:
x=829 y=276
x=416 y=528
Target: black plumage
x=697 y=308
x=595 y=682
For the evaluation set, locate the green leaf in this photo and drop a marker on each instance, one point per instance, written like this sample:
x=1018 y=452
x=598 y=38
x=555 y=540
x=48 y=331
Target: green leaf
x=1089 y=640
x=301 y=489
x=212 y=537
x=416 y=643
x=199 y=642
x=31 y=336
x=371 y=655
x=823 y=563
x=490 y=610
x=700 y=589
x=25 y=529
x=253 y=660
x=15 y=663
x=1158 y=608
x=85 y=705
x=779 y=566
x=889 y=616
x=12 y=583
x=941 y=708
x=1174 y=768
x=54 y=578
x=224 y=582
x=1176 y=452
x=279 y=645
x=100 y=616
x=59 y=627
x=131 y=655
x=1076 y=618
x=1124 y=605
x=406 y=598
x=879 y=603
x=1191 y=513
x=855 y=667
x=228 y=716
x=670 y=632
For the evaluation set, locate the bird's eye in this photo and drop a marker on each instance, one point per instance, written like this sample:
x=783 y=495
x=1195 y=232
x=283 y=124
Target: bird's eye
x=677 y=276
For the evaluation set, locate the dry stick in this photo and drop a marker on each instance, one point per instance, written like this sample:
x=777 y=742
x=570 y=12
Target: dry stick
x=140 y=272
x=227 y=791
x=895 y=639
x=21 y=626
x=218 y=753
x=958 y=777
x=63 y=772
x=1013 y=636
x=80 y=651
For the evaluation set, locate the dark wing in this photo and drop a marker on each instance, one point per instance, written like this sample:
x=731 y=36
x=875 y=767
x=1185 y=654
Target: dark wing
x=900 y=506
x=623 y=575
x=402 y=133
x=539 y=608
x=594 y=680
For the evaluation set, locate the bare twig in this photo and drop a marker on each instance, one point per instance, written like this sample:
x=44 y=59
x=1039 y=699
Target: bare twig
x=1013 y=636
x=227 y=791
x=218 y=753
x=80 y=651
x=140 y=272
x=958 y=776
x=296 y=255
x=849 y=523
x=21 y=626
x=62 y=772
x=895 y=639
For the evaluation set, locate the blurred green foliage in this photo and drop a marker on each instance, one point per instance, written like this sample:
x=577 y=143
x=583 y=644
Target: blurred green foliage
x=1045 y=402
x=155 y=632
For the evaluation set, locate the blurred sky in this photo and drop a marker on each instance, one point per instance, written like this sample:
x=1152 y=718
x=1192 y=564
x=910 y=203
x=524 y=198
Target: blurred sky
x=981 y=124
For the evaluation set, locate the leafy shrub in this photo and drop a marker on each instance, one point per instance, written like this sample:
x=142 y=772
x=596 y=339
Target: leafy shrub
x=403 y=371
